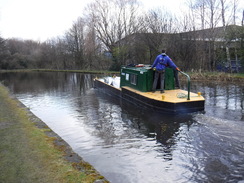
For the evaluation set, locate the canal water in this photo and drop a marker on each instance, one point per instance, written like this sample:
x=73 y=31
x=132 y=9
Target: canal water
x=128 y=144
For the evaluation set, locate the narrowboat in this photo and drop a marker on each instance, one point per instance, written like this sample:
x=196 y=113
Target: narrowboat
x=134 y=85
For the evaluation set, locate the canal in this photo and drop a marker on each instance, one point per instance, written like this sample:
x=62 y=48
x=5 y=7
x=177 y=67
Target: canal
x=127 y=144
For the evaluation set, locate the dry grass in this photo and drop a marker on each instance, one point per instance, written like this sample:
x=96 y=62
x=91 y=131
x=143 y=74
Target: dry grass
x=215 y=76
x=194 y=74
x=28 y=154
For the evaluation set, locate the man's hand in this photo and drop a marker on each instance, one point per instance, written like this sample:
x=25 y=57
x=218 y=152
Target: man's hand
x=177 y=69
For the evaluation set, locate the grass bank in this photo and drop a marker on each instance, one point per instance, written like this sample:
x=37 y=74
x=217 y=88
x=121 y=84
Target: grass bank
x=216 y=76
x=53 y=70
x=31 y=152
x=203 y=76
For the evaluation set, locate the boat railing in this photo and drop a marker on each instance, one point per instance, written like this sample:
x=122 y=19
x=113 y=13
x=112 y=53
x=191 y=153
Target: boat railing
x=188 y=84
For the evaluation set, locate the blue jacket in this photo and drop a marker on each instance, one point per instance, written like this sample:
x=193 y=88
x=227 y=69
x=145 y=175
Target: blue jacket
x=162 y=61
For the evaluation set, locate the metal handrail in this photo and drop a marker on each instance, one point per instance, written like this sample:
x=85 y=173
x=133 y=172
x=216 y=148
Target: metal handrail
x=188 y=84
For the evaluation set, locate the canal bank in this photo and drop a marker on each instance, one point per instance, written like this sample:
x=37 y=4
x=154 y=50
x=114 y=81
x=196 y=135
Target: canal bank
x=32 y=152
x=195 y=75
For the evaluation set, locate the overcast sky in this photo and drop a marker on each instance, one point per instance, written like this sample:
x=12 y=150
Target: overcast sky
x=43 y=19
x=38 y=19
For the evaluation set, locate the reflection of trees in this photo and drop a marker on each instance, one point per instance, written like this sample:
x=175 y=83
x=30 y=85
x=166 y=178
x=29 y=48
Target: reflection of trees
x=117 y=122
x=43 y=82
x=221 y=95
x=105 y=120
x=163 y=128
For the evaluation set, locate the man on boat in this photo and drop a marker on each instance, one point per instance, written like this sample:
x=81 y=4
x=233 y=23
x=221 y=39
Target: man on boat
x=160 y=63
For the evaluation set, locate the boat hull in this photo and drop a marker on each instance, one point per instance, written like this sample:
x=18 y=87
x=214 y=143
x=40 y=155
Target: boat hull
x=162 y=106
x=140 y=100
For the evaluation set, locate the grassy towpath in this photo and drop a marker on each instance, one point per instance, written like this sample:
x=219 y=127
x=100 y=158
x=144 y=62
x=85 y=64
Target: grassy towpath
x=31 y=152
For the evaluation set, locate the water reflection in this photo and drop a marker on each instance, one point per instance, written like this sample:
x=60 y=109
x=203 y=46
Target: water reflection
x=224 y=99
x=130 y=144
x=35 y=82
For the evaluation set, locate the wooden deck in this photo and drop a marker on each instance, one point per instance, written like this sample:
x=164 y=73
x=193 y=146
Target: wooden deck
x=173 y=96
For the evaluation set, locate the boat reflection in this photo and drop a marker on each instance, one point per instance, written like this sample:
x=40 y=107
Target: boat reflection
x=158 y=127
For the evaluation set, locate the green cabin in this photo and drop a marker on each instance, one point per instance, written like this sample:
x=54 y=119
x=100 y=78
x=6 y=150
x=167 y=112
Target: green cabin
x=141 y=78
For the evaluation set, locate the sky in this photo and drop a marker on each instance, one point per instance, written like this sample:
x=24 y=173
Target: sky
x=40 y=20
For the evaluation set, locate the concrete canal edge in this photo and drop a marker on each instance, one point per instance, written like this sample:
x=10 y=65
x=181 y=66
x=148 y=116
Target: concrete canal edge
x=58 y=143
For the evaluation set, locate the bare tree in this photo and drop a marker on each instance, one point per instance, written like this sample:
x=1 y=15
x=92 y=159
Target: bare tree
x=235 y=40
x=158 y=25
x=94 y=57
x=75 y=41
x=209 y=15
x=113 y=20
x=223 y=14
x=242 y=21
x=4 y=54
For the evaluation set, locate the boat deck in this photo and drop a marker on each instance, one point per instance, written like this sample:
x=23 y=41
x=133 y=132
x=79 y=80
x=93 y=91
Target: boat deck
x=173 y=96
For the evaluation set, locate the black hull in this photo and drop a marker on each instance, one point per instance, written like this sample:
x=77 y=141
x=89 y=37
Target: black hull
x=155 y=105
x=108 y=89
